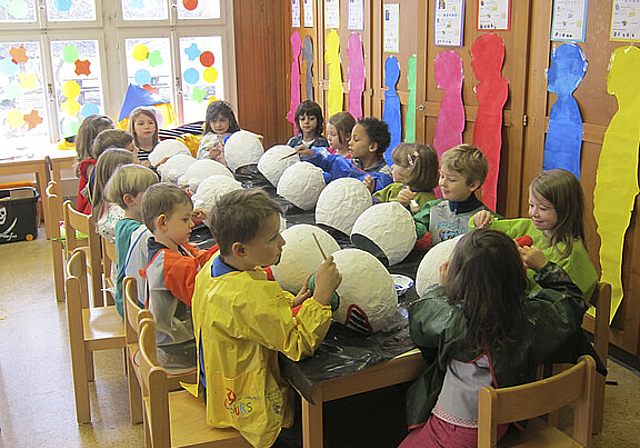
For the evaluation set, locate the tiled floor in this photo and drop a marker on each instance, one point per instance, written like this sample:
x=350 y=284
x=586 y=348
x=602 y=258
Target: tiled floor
x=36 y=396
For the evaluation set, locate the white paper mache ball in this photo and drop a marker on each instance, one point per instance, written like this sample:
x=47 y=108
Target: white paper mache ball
x=241 y=149
x=368 y=298
x=391 y=229
x=167 y=148
x=274 y=161
x=301 y=256
x=429 y=270
x=212 y=188
x=341 y=203
x=199 y=171
x=175 y=167
x=301 y=184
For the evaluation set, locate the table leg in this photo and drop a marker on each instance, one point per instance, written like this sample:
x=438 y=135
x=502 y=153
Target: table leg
x=311 y=424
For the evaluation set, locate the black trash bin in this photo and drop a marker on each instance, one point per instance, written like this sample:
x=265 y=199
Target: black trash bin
x=18 y=214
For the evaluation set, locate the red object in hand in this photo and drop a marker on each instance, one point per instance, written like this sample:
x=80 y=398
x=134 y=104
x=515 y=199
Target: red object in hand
x=425 y=242
x=524 y=240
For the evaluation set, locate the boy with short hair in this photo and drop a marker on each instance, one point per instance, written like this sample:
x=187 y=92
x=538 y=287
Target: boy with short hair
x=463 y=170
x=241 y=320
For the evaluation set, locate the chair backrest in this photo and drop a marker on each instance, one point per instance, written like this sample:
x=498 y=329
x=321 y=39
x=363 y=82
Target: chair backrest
x=55 y=208
x=77 y=296
x=513 y=404
x=132 y=312
x=77 y=268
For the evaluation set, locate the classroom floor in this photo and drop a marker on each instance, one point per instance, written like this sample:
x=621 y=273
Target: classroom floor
x=36 y=394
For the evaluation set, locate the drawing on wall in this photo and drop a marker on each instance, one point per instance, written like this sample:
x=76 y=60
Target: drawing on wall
x=307 y=58
x=391 y=112
x=332 y=58
x=356 y=75
x=448 y=72
x=296 y=47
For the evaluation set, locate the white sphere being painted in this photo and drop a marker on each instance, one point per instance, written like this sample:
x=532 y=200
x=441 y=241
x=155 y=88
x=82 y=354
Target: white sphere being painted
x=301 y=256
x=301 y=184
x=175 y=167
x=241 y=149
x=212 y=188
x=167 y=148
x=274 y=161
x=341 y=203
x=390 y=227
x=368 y=299
x=429 y=269
x=199 y=171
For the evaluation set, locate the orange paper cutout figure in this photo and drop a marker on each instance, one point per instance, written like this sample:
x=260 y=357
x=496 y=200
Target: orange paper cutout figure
x=32 y=119
x=83 y=67
x=18 y=54
x=492 y=91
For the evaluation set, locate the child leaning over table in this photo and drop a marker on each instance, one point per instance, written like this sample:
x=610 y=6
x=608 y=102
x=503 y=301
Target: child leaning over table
x=241 y=320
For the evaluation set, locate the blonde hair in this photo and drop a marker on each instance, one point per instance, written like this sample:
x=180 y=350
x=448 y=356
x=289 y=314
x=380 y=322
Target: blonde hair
x=87 y=132
x=130 y=179
x=107 y=164
x=423 y=160
x=469 y=161
x=110 y=138
x=149 y=112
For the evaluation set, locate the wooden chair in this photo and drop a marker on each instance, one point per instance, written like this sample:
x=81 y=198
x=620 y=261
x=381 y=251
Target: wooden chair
x=109 y=260
x=74 y=220
x=90 y=329
x=133 y=316
x=54 y=197
x=174 y=419
x=528 y=401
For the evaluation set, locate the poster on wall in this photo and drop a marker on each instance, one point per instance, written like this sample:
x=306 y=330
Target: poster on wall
x=625 y=21
x=332 y=13
x=308 y=13
x=391 y=16
x=449 y=20
x=493 y=14
x=295 y=13
x=356 y=15
x=569 y=20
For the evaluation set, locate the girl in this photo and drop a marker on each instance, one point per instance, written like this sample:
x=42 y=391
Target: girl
x=484 y=331
x=220 y=123
x=143 y=126
x=339 y=133
x=109 y=138
x=309 y=123
x=415 y=175
x=90 y=127
x=556 y=204
x=125 y=189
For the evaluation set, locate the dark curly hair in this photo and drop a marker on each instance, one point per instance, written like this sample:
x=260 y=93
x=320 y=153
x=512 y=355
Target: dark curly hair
x=378 y=132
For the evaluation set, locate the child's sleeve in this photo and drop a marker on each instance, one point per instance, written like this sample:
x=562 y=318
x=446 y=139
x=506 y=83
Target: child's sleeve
x=334 y=164
x=180 y=275
x=201 y=255
x=384 y=195
x=423 y=218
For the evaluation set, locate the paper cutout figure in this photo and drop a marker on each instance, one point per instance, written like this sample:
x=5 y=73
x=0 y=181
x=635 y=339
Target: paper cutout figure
x=89 y=109
x=155 y=58
x=9 y=68
x=198 y=94
x=448 y=73
x=140 y=52
x=355 y=75
x=70 y=54
x=32 y=119
x=18 y=54
x=192 y=52
x=136 y=4
x=564 y=137
x=70 y=89
x=28 y=81
x=18 y=9
x=15 y=119
x=296 y=47
x=191 y=76
x=71 y=107
x=617 y=177
x=492 y=91
x=207 y=59
x=391 y=112
x=12 y=91
x=62 y=5
x=410 y=120
x=307 y=58
x=332 y=58
x=142 y=77
x=83 y=67
x=210 y=75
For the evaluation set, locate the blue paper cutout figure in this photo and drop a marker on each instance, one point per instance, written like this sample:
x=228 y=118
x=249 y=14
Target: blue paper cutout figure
x=391 y=112
x=564 y=138
x=192 y=51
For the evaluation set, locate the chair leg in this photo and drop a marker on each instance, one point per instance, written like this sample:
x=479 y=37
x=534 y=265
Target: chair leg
x=598 y=403
x=135 y=395
x=58 y=269
x=80 y=384
x=89 y=366
x=147 y=433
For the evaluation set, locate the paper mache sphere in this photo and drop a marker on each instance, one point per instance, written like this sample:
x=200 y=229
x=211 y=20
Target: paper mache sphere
x=301 y=256
x=212 y=188
x=387 y=231
x=301 y=184
x=368 y=298
x=175 y=167
x=429 y=269
x=274 y=161
x=341 y=203
x=242 y=148
x=199 y=171
x=167 y=148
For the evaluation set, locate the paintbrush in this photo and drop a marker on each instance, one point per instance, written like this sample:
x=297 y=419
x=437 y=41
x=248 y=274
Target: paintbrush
x=319 y=246
x=289 y=155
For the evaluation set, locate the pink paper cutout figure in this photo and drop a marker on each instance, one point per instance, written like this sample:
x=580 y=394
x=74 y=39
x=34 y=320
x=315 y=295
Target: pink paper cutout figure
x=296 y=48
x=355 y=75
x=448 y=72
x=492 y=91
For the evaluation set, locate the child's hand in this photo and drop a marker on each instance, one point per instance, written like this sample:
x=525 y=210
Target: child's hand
x=532 y=257
x=304 y=152
x=482 y=219
x=328 y=278
x=444 y=268
x=369 y=183
x=198 y=215
x=304 y=293
x=405 y=196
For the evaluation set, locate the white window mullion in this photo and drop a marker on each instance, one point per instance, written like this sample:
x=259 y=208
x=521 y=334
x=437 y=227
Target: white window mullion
x=50 y=91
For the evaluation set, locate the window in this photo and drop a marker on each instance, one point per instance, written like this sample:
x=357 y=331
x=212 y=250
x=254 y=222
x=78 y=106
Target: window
x=62 y=60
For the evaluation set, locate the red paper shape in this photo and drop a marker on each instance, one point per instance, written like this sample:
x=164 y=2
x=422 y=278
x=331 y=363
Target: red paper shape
x=18 y=54
x=492 y=91
x=207 y=59
x=448 y=72
x=296 y=48
x=190 y=5
x=83 y=67
x=33 y=119
x=151 y=89
x=355 y=75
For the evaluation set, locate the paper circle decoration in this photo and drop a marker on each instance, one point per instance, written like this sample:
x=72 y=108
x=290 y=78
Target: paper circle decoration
x=191 y=76
x=140 y=52
x=241 y=149
x=341 y=203
x=9 y=68
x=142 y=77
x=199 y=171
x=89 y=109
x=18 y=9
x=210 y=75
x=15 y=119
x=167 y=148
x=70 y=54
x=429 y=269
x=212 y=189
x=190 y=5
x=70 y=89
x=207 y=59
x=175 y=167
x=62 y=5
x=301 y=184
x=275 y=160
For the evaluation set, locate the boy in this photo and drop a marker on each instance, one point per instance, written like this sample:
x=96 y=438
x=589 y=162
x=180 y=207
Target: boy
x=463 y=170
x=241 y=320
x=173 y=264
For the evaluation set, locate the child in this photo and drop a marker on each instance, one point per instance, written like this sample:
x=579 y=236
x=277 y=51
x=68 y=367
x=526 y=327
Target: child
x=415 y=175
x=309 y=123
x=125 y=189
x=339 y=133
x=220 y=123
x=556 y=205
x=173 y=264
x=242 y=320
x=480 y=329
x=370 y=138
x=463 y=169
x=90 y=127
x=143 y=126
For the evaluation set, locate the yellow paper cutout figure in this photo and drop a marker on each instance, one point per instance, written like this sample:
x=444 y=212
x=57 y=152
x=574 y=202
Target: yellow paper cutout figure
x=617 y=177
x=332 y=58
